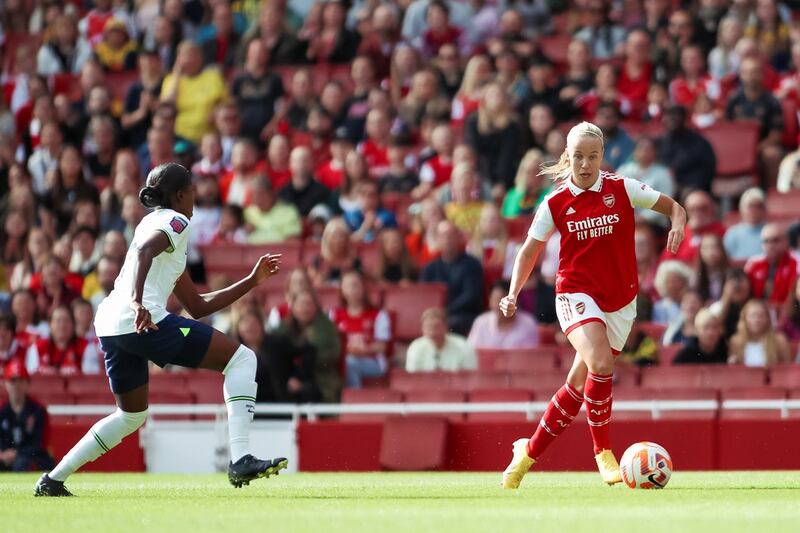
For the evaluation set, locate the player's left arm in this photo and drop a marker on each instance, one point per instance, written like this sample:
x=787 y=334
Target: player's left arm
x=677 y=216
x=200 y=305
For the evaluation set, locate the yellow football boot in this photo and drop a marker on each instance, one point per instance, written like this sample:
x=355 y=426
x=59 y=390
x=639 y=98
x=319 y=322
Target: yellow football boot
x=608 y=466
x=519 y=466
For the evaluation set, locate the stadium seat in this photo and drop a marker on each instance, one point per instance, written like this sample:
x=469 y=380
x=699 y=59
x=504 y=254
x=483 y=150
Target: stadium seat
x=523 y=360
x=408 y=302
x=627 y=393
x=626 y=375
x=686 y=394
x=752 y=393
x=554 y=47
x=290 y=259
x=469 y=381
x=205 y=385
x=785 y=376
x=368 y=396
x=93 y=398
x=791 y=127
x=177 y=396
x=667 y=353
x=734 y=144
x=636 y=128
x=46 y=384
x=517 y=227
x=403 y=381
x=370 y=256
x=88 y=384
x=782 y=207
x=14 y=40
x=224 y=259
x=413 y=443
x=702 y=376
x=544 y=384
x=499 y=396
x=654 y=330
x=167 y=382
x=54 y=398
x=329 y=298
x=438 y=396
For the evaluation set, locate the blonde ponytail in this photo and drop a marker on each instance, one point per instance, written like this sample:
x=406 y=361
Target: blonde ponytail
x=560 y=170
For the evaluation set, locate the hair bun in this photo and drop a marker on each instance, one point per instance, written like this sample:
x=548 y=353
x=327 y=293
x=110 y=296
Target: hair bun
x=150 y=197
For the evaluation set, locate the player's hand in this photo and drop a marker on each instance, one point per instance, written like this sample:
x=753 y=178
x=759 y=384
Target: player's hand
x=508 y=306
x=674 y=239
x=143 y=322
x=267 y=265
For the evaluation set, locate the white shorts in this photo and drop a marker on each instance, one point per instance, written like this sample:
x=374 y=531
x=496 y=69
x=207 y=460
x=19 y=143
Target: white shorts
x=576 y=309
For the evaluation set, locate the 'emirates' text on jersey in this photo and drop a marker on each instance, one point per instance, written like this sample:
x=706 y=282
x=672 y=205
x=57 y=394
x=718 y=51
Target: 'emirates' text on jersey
x=596 y=225
x=114 y=315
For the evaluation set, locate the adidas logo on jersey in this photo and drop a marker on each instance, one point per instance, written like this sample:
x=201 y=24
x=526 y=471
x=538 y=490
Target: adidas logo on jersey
x=570 y=211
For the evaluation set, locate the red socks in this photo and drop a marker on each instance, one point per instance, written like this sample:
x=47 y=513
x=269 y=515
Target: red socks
x=598 y=409
x=563 y=407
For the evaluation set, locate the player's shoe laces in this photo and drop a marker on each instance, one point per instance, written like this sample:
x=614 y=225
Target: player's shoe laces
x=608 y=466
x=50 y=487
x=519 y=466
x=248 y=468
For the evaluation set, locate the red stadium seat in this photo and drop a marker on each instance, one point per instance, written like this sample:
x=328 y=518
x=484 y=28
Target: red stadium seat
x=88 y=384
x=370 y=256
x=753 y=393
x=408 y=302
x=93 y=398
x=118 y=83
x=178 y=396
x=438 y=396
x=791 y=127
x=734 y=144
x=54 y=398
x=686 y=394
x=290 y=259
x=702 y=376
x=786 y=376
x=205 y=385
x=524 y=360
x=44 y=384
x=369 y=396
x=14 y=40
x=654 y=330
x=782 y=206
x=413 y=381
x=547 y=334
x=499 y=396
x=167 y=382
x=517 y=227
x=554 y=47
x=329 y=298
x=667 y=353
x=626 y=375
x=413 y=443
x=225 y=259
x=544 y=384
x=469 y=381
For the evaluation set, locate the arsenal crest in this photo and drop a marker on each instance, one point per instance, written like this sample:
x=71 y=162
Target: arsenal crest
x=609 y=199
x=580 y=307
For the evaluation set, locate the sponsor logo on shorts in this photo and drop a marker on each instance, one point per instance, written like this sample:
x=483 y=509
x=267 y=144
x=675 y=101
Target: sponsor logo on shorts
x=580 y=307
x=609 y=200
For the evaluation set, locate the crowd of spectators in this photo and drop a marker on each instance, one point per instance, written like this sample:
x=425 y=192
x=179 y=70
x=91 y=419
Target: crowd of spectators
x=416 y=127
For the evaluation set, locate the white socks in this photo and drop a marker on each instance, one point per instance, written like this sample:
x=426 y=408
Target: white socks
x=240 y=399
x=103 y=436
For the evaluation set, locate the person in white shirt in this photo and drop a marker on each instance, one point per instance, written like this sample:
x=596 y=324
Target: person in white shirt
x=437 y=349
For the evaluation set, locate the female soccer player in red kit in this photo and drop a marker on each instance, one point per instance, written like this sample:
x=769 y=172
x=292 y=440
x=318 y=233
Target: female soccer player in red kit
x=596 y=287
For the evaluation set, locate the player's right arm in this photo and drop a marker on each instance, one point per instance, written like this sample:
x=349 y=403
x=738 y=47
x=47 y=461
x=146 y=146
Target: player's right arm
x=155 y=244
x=523 y=266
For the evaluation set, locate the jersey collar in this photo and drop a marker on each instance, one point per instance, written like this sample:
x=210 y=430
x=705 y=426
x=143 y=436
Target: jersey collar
x=575 y=190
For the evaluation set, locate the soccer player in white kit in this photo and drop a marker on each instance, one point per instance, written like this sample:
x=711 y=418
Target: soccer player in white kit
x=596 y=287
x=134 y=328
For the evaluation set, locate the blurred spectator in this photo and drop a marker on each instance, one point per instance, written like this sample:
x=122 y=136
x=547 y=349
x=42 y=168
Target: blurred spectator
x=477 y=74
x=637 y=70
x=492 y=330
x=333 y=42
x=681 y=328
x=210 y=164
x=687 y=153
x=276 y=165
x=38 y=245
x=448 y=70
x=790 y=325
x=303 y=191
x=159 y=149
x=753 y=101
x=463 y=275
x=743 y=240
x=712 y=268
x=344 y=198
x=14 y=238
x=421 y=240
x=709 y=346
x=529 y=187
x=494 y=135
x=45 y=156
x=83 y=315
x=578 y=77
x=297 y=280
x=723 y=60
x=65 y=52
x=331 y=173
x=693 y=80
x=30 y=326
x=640 y=349
x=259 y=94
x=52 y=290
x=282 y=46
x=618 y=146
x=23 y=425
x=64 y=352
x=399 y=178
x=437 y=349
x=375 y=147
x=194 y=91
x=100 y=148
x=394 y=264
x=597 y=29
x=248 y=329
x=228 y=123
x=789 y=172
x=774 y=273
x=85 y=252
x=309 y=330
x=301 y=99
x=68 y=188
x=234 y=185
x=645 y=167
x=10 y=348
x=366 y=331
x=422 y=101
x=379 y=43
x=790 y=81
x=116 y=51
x=756 y=342
x=99 y=283
x=516 y=33
x=735 y=293
x=220 y=48
x=437 y=170
x=269 y=219
x=439 y=30
x=673 y=278
x=541 y=121
x=646 y=251
x=464 y=209
x=231 y=225
x=702 y=219
x=489 y=242
x=338 y=254
x=415 y=21
x=772 y=33
x=370 y=218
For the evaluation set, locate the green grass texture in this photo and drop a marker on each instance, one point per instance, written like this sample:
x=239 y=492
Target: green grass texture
x=404 y=502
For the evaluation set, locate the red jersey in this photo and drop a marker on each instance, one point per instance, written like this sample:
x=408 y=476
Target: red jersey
x=331 y=175
x=690 y=247
x=45 y=357
x=683 y=92
x=635 y=89
x=436 y=171
x=369 y=326
x=377 y=157
x=597 y=227
x=772 y=284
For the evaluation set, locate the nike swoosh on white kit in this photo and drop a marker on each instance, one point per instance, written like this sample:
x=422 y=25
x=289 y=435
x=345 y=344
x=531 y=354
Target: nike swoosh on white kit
x=570 y=211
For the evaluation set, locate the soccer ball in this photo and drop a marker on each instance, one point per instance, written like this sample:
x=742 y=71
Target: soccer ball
x=646 y=465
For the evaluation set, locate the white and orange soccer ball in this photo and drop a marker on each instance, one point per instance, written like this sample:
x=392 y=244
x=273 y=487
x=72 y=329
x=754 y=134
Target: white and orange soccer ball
x=646 y=465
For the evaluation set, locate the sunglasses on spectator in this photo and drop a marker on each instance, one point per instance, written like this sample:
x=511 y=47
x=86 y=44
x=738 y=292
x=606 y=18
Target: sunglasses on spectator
x=771 y=240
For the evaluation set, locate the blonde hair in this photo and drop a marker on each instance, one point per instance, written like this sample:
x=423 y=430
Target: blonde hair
x=705 y=315
x=476 y=242
x=561 y=169
x=334 y=225
x=489 y=121
x=470 y=81
x=531 y=157
x=769 y=342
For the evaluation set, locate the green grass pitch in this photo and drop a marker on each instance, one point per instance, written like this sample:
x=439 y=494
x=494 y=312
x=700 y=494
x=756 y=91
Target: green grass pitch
x=408 y=502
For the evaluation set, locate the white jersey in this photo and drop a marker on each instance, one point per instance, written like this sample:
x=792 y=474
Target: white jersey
x=114 y=314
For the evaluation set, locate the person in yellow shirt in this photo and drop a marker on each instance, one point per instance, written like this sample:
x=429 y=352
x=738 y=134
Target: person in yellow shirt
x=267 y=218
x=464 y=210
x=194 y=91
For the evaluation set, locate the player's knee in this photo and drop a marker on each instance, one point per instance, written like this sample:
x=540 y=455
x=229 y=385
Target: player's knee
x=243 y=358
x=600 y=361
x=577 y=381
x=134 y=421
